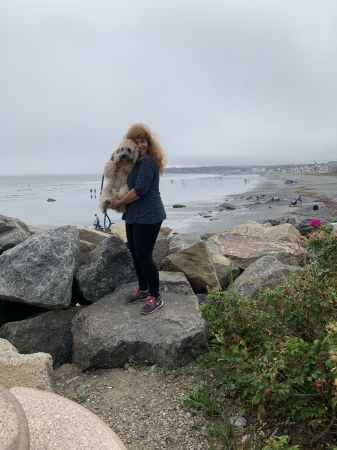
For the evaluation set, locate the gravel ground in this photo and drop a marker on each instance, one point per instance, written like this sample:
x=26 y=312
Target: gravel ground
x=143 y=407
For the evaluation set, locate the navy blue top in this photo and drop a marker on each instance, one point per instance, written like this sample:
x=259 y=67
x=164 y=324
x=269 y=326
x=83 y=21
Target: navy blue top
x=149 y=208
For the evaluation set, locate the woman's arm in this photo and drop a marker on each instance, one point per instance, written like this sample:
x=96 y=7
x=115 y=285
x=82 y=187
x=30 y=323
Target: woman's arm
x=143 y=183
x=129 y=197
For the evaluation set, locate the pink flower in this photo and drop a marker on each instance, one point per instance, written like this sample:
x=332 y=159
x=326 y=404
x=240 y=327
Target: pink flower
x=315 y=223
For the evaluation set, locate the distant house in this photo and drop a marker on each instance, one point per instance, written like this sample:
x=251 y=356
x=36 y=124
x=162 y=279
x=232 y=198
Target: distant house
x=332 y=166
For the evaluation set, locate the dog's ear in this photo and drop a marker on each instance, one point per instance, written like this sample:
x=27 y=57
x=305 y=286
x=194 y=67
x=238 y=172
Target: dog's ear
x=109 y=169
x=113 y=156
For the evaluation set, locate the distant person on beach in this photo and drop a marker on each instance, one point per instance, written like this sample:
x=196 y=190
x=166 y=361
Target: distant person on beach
x=144 y=215
x=299 y=200
x=315 y=208
x=97 y=222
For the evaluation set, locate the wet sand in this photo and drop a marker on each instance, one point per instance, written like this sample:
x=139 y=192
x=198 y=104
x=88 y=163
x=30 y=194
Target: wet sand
x=192 y=222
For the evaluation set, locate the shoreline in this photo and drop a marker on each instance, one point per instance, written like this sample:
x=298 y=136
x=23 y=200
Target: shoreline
x=194 y=220
x=314 y=189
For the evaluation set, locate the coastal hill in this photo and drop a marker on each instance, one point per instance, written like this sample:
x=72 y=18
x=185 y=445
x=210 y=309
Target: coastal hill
x=277 y=168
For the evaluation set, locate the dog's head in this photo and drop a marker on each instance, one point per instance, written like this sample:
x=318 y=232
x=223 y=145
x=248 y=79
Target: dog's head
x=127 y=151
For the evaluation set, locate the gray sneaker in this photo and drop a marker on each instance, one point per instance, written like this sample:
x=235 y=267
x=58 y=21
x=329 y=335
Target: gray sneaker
x=136 y=296
x=152 y=305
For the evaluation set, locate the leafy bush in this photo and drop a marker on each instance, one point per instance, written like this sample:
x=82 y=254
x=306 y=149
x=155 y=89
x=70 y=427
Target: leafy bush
x=281 y=351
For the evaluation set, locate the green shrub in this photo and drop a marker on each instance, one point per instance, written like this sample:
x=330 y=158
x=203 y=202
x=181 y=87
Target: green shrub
x=281 y=351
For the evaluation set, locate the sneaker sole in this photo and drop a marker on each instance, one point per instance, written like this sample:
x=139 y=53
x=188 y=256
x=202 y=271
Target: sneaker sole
x=136 y=301
x=146 y=313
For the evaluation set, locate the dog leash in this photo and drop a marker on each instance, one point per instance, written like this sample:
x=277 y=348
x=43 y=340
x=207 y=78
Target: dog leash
x=106 y=217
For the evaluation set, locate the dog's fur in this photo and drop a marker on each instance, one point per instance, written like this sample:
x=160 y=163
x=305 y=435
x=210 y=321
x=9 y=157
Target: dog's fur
x=115 y=186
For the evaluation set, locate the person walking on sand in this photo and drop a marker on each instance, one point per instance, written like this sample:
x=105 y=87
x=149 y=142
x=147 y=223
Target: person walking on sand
x=299 y=200
x=144 y=214
x=97 y=222
x=315 y=209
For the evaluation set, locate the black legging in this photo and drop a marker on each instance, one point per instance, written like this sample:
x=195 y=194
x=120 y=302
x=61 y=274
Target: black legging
x=141 y=239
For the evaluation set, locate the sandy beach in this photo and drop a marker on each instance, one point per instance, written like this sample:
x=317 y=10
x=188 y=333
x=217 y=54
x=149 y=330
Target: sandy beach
x=204 y=199
x=320 y=189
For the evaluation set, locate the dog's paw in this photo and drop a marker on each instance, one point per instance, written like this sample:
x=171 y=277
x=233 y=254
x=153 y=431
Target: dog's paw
x=106 y=204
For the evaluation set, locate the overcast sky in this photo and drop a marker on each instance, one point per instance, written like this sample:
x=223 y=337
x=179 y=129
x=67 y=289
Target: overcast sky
x=222 y=82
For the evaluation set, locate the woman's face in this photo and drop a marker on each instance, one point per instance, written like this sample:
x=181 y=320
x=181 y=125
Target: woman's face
x=143 y=146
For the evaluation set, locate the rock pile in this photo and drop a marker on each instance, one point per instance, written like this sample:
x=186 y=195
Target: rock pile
x=69 y=285
x=62 y=295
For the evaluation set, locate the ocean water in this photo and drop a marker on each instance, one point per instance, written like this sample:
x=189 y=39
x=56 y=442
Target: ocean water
x=25 y=197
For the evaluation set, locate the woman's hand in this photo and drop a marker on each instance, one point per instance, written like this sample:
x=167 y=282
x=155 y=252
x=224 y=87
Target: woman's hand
x=131 y=196
x=116 y=204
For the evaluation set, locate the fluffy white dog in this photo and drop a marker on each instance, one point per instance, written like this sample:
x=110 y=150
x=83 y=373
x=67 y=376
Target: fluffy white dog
x=116 y=172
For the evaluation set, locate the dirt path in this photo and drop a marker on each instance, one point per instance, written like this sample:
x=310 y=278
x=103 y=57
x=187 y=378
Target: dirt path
x=143 y=407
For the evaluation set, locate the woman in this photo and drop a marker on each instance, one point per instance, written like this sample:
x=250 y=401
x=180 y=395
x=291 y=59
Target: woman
x=144 y=215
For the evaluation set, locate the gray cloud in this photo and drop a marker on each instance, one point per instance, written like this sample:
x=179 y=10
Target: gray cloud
x=221 y=82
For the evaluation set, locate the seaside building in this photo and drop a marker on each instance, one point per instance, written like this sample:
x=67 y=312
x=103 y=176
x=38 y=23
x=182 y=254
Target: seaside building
x=332 y=166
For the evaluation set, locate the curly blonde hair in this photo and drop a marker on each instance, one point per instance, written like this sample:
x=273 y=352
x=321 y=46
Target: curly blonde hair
x=141 y=131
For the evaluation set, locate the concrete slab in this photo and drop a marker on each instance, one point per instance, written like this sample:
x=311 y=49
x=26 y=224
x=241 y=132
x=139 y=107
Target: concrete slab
x=56 y=423
x=14 y=433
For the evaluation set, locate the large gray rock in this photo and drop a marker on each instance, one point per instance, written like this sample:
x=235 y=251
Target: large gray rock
x=85 y=249
x=244 y=249
x=110 y=265
x=177 y=244
x=89 y=239
x=48 y=333
x=196 y=263
x=301 y=224
x=264 y=274
x=160 y=251
x=225 y=206
x=40 y=270
x=284 y=232
x=93 y=236
x=12 y=232
x=110 y=333
x=291 y=218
